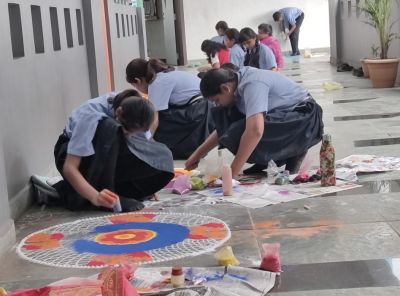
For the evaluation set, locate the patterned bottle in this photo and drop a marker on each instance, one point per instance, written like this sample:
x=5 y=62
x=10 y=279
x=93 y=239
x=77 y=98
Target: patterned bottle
x=327 y=162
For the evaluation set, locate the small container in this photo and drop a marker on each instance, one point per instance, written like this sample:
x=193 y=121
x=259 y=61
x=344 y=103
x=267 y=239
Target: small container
x=227 y=180
x=177 y=277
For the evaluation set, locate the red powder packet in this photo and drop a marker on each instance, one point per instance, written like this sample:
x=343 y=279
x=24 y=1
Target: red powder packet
x=271 y=260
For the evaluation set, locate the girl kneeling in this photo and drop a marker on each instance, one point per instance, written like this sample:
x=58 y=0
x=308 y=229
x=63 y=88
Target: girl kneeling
x=103 y=154
x=262 y=115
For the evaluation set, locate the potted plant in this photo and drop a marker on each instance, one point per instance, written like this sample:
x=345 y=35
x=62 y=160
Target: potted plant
x=375 y=54
x=383 y=71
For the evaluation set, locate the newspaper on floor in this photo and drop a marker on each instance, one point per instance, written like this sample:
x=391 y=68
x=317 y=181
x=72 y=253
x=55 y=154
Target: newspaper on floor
x=261 y=195
x=221 y=281
x=347 y=168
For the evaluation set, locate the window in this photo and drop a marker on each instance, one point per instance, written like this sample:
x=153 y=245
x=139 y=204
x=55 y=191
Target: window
x=127 y=25
x=342 y=9
x=68 y=28
x=80 y=28
x=136 y=24
x=358 y=9
x=133 y=30
x=349 y=8
x=117 y=20
x=17 y=40
x=37 y=28
x=55 y=30
x=123 y=25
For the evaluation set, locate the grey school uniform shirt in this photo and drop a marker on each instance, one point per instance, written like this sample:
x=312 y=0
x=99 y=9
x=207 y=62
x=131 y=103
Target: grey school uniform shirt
x=290 y=14
x=261 y=91
x=83 y=121
x=175 y=87
x=267 y=58
x=237 y=55
x=218 y=39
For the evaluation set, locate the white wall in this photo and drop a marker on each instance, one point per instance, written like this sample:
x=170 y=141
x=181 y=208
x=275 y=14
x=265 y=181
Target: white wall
x=201 y=17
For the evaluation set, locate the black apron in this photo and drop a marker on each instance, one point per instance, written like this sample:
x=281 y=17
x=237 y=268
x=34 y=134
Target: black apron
x=135 y=172
x=184 y=128
x=287 y=133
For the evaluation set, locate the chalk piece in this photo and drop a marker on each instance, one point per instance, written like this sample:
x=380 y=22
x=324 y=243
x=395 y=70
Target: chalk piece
x=307 y=208
x=117 y=207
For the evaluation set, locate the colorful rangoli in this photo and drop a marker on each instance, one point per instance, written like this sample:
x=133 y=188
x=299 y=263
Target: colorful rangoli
x=134 y=237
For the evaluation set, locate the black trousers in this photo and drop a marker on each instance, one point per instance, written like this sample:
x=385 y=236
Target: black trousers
x=113 y=167
x=184 y=128
x=294 y=37
x=288 y=134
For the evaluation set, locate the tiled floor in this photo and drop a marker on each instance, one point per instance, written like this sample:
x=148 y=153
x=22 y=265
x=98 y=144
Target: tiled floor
x=343 y=244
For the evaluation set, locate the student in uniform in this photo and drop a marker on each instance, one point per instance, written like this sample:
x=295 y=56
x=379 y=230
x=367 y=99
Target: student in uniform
x=217 y=53
x=103 y=154
x=221 y=27
x=291 y=18
x=262 y=115
x=257 y=55
x=237 y=53
x=265 y=37
x=183 y=118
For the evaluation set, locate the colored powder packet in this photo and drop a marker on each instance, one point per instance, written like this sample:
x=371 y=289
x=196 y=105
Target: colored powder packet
x=226 y=257
x=271 y=260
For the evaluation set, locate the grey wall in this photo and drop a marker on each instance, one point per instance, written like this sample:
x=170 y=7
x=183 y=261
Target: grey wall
x=124 y=49
x=161 y=34
x=39 y=90
x=7 y=233
x=354 y=37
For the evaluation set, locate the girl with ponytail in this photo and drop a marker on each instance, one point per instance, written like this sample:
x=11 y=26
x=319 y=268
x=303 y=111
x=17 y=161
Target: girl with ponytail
x=261 y=115
x=182 y=114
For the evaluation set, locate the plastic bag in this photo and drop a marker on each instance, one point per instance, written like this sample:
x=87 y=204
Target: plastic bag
x=226 y=257
x=197 y=183
x=331 y=85
x=273 y=170
x=181 y=185
x=271 y=260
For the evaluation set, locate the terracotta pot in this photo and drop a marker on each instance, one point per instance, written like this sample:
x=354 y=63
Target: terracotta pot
x=364 y=68
x=383 y=73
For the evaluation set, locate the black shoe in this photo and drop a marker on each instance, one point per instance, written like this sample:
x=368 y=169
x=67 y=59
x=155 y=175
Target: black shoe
x=44 y=192
x=344 y=68
x=255 y=169
x=130 y=204
x=358 y=72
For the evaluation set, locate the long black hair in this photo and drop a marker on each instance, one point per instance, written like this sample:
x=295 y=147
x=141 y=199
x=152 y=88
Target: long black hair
x=266 y=29
x=211 y=83
x=246 y=34
x=136 y=113
x=221 y=25
x=211 y=48
x=233 y=34
x=142 y=69
x=252 y=57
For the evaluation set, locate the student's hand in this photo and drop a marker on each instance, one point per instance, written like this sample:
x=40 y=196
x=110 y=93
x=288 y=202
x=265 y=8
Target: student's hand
x=192 y=162
x=105 y=198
